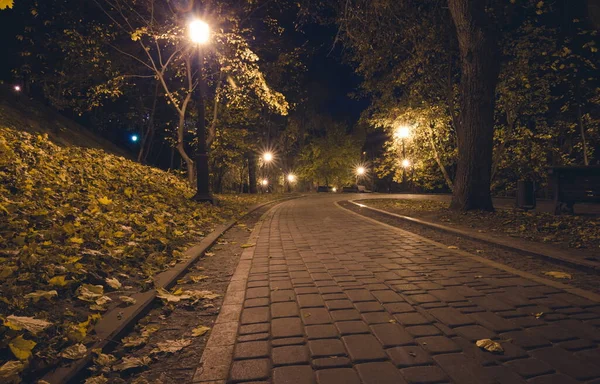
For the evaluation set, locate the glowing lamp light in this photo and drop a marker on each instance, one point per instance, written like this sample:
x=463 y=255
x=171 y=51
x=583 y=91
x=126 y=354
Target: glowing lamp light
x=264 y=182
x=134 y=138
x=199 y=31
x=406 y=163
x=291 y=178
x=402 y=132
x=360 y=171
x=334 y=189
x=268 y=157
x=17 y=88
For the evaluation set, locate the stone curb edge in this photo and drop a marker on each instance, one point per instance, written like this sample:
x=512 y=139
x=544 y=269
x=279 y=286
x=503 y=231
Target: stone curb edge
x=581 y=265
x=567 y=288
x=218 y=353
x=117 y=321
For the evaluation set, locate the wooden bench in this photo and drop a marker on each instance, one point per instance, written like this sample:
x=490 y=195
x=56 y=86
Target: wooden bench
x=572 y=185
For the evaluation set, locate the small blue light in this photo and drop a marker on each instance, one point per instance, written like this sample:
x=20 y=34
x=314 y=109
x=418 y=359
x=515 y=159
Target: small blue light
x=134 y=138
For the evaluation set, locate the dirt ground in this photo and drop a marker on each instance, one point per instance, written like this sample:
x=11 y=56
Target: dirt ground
x=176 y=321
x=533 y=265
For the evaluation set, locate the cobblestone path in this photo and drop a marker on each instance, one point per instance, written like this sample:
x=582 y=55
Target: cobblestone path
x=329 y=297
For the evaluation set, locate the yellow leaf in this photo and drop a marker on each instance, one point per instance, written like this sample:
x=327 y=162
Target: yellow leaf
x=558 y=275
x=30 y=324
x=128 y=192
x=490 y=345
x=197 y=279
x=200 y=330
x=6 y=4
x=105 y=200
x=452 y=247
x=76 y=240
x=21 y=347
x=247 y=245
x=58 y=281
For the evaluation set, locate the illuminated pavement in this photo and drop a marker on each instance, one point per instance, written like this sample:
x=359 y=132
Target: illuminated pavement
x=329 y=297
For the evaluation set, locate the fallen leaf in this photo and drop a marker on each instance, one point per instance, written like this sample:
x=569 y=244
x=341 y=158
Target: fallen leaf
x=105 y=200
x=198 y=278
x=9 y=371
x=452 y=247
x=479 y=251
x=490 y=345
x=127 y=300
x=113 y=283
x=88 y=292
x=21 y=347
x=58 y=281
x=132 y=362
x=558 y=275
x=162 y=293
x=74 y=352
x=37 y=295
x=538 y=315
x=200 y=330
x=205 y=295
x=96 y=380
x=30 y=324
x=103 y=300
x=170 y=346
x=248 y=245
x=209 y=254
x=105 y=360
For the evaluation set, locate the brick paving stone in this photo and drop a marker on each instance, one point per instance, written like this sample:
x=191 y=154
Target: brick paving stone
x=331 y=362
x=287 y=327
x=398 y=307
x=423 y=330
x=254 y=293
x=411 y=318
x=337 y=376
x=368 y=306
x=339 y=304
x=475 y=332
x=462 y=369
x=363 y=348
x=577 y=345
x=352 y=327
x=377 y=318
x=503 y=375
x=358 y=295
x=409 y=356
x=323 y=331
x=253 y=337
x=438 y=344
x=312 y=316
x=345 y=314
x=529 y=367
x=288 y=341
x=302 y=374
x=526 y=339
x=255 y=315
x=306 y=290
x=286 y=309
x=254 y=328
x=290 y=355
x=424 y=375
x=567 y=363
x=493 y=322
x=262 y=302
x=391 y=335
x=334 y=296
x=554 y=333
x=388 y=296
x=283 y=295
x=326 y=348
x=451 y=317
x=379 y=373
x=310 y=301
x=423 y=298
x=251 y=350
x=279 y=285
x=556 y=378
x=247 y=370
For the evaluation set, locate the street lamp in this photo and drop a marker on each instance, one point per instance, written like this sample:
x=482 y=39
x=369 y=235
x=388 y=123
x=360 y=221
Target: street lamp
x=134 y=138
x=17 y=88
x=291 y=178
x=199 y=33
x=267 y=157
x=360 y=171
x=402 y=133
x=405 y=163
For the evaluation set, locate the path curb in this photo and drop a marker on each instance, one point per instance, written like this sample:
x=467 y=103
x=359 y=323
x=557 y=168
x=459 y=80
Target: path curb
x=117 y=321
x=567 y=288
x=578 y=264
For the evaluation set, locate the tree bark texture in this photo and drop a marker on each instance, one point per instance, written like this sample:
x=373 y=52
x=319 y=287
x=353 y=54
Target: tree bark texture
x=479 y=75
x=252 y=173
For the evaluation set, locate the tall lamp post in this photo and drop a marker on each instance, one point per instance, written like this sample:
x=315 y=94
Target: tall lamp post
x=267 y=158
x=360 y=171
x=199 y=33
x=402 y=133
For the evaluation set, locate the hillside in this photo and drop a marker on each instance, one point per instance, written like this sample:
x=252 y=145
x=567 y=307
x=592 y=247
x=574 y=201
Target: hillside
x=23 y=114
x=76 y=225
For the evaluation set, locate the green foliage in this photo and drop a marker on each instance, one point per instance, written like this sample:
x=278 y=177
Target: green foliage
x=77 y=224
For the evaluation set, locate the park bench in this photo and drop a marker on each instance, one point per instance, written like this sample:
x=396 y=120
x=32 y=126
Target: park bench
x=572 y=185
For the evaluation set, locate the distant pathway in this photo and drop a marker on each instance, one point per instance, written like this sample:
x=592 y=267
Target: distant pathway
x=333 y=298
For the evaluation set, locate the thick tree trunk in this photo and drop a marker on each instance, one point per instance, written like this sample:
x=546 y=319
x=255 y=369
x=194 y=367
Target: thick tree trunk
x=479 y=75
x=181 y=149
x=252 y=173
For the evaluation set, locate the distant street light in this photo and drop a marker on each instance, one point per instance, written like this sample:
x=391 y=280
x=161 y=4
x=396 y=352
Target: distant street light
x=267 y=157
x=17 y=88
x=402 y=132
x=134 y=138
x=264 y=182
x=360 y=171
x=334 y=189
x=199 y=33
x=405 y=163
x=291 y=178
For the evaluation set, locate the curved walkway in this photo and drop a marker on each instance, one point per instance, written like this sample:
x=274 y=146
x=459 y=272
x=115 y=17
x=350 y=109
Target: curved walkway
x=329 y=297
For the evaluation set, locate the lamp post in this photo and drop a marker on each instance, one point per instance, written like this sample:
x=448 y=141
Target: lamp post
x=360 y=171
x=402 y=133
x=291 y=179
x=267 y=158
x=199 y=33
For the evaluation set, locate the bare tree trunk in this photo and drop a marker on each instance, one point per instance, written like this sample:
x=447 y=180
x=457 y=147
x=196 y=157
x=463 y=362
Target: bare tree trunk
x=437 y=158
x=511 y=118
x=252 y=173
x=479 y=75
x=181 y=149
x=586 y=161
x=149 y=135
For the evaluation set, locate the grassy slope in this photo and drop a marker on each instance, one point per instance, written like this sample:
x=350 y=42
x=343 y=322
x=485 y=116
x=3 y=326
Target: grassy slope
x=71 y=216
